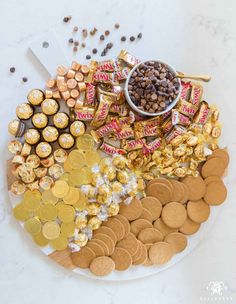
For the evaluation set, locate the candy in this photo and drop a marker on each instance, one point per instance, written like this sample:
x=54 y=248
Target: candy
x=151 y=146
x=177 y=130
x=119 y=162
x=26 y=149
x=90 y=95
x=216 y=132
x=76 y=159
x=56 y=171
x=107 y=66
x=103 y=77
x=120 y=109
x=187 y=108
x=85 y=114
x=94 y=223
x=125 y=133
x=178 y=118
x=133 y=144
x=81 y=239
x=50 y=134
x=66 y=141
x=105 y=130
x=48 y=212
x=48 y=162
x=167 y=125
x=33 y=160
x=35 y=97
x=186 y=90
x=24 y=111
x=32 y=136
x=18 y=188
x=15 y=147
x=33 y=225
x=102 y=111
x=43 y=149
x=77 y=128
x=196 y=94
x=61 y=120
x=203 y=113
x=128 y=58
x=85 y=142
x=50 y=106
x=109 y=149
x=46 y=182
x=122 y=177
x=40 y=120
x=16 y=128
x=60 y=189
x=72 y=196
x=122 y=74
x=60 y=155
x=51 y=230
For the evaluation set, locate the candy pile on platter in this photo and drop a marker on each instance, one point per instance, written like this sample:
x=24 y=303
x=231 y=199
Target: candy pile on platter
x=81 y=155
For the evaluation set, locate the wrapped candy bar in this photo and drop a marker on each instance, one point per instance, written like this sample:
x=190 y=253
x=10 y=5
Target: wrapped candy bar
x=133 y=144
x=120 y=109
x=151 y=146
x=186 y=90
x=100 y=116
x=90 y=95
x=85 y=113
x=122 y=74
x=105 y=130
x=167 y=125
x=108 y=66
x=104 y=77
x=128 y=58
x=187 y=108
x=178 y=118
x=176 y=131
x=196 y=94
x=203 y=114
x=112 y=150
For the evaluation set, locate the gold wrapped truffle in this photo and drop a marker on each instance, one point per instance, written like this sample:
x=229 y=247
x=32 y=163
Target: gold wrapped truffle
x=123 y=177
x=60 y=155
x=94 y=223
x=16 y=128
x=15 y=147
x=81 y=239
x=61 y=120
x=24 y=111
x=66 y=141
x=77 y=128
x=18 y=188
x=40 y=120
x=46 y=182
x=43 y=149
x=49 y=106
x=33 y=160
x=32 y=136
x=47 y=162
x=50 y=134
x=35 y=97
x=26 y=149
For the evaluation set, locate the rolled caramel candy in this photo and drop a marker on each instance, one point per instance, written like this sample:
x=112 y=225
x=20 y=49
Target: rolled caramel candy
x=196 y=94
x=178 y=118
x=187 y=108
x=24 y=111
x=85 y=113
x=203 y=114
x=101 y=114
x=128 y=58
x=133 y=144
x=151 y=146
x=35 y=97
x=109 y=149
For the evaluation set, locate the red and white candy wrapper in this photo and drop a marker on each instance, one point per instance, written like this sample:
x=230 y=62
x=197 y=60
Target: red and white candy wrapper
x=178 y=118
x=151 y=146
x=90 y=96
x=196 y=94
x=85 y=113
x=167 y=125
x=177 y=130
x=104 y=77
x=105 y=130
x=128 y=58
x=101 y=114
x=126 y=132
x=120 y=109
x=186 y=108
x=203 y=114
x=133 y=144
x=108 y=66
x=109 y=149
x=122 y=74
x=186 y=90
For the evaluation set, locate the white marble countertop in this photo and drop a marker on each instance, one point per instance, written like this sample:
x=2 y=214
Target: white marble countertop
x=197 y=37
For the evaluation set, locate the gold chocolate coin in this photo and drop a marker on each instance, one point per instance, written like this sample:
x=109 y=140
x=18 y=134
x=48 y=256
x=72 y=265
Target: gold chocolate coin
x=47 y=212
x=59 y=243
x=66 y=213
x=32 y=200
x=85 y=142
x=21 y=213
x=68 y=229
x=60 y=189
x=33 y=225
x=82 y=202
x=48 y=197
x=72 y=196
x=40 y=239
x=76 y=159
x=92 y=158
x=51 y=230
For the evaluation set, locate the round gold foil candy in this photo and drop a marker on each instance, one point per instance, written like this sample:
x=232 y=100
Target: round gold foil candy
x=105 y=162
x=77 y=128
x=68 y=229
x=61 y=120
x=216 y=132
x=82 y=202
x=207 y=128
x=110 y=173
x=48 y=162
x=14 y=146
x=50 y=134
x=26 y=149
x=24 y=111
x=40 y=239
x=60 y=189
x=177 y=140
x=81 y=221
x=33 y=160
x=40 y=172
x=66 y=213
x=116 y=187
x=180 y=150
x=28 y=178
x=141 y=185
x=123 y=177
x=21 y=213
x=33 y=225
x=93 y=208
x=43 y=149
x=51 y=230
x=35 y=97
x=180 y=172
x=104 y=190
x=192 y=141
x=72 y=196
x=31 y=200
x=119 y=162
x=39 y=120
x=81 y=239
x=49 y=106
x=215 y=116
x=76 y=159
x=48 y=197
x=47 y=212
x=59 y=243
x=16 y=128
x=46 y=182
x=66 y=141
x=60 y=155
x=96 y=179
x=85 y=142
x=25 y=170
x=199 y=151
x=56 y=171
x=32 y=136
x=113 y=209
x=33 y=186
x=92 y=158
x=94 y=223
x=18 y=188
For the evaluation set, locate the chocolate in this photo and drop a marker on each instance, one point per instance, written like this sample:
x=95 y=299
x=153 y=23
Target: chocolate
x=15 y=147
x=109 y=149
x=186 y=108
x=92 y=70
x=178 y=118
x=85 y=114
x=120 y=109
x=196 y=94
x=102 y=111
x=39 y=120
x=16 y=127
x=176 y=131
x=125 y=133
x=66 y=141
x=122 y=74
x=24 y=111
x=151 y=146
x=203 y=113
x=61 y=120
x=128 y=58
x=50 y=106
x=107 y=66
x=32 y=136
x=90 y=95
x=35 y=97
x=103 y=77
x=26 y=149
x=43 y=149
x=133 y=144
x=50 y=134
x=105 y=130
x=186 y=90
x=77 y=128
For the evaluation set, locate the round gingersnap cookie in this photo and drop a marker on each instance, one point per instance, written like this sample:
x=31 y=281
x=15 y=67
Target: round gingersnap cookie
x=161 y=226
x=177 y=240
x=102 y=244
x=189 y=227
x=196 y=185
x=213 y=166
x=210 y=179
x=96 y=248
x=222 y=154
x=153 y=205
x=146 y=215
x=83 y=258
x=178 y=191
x=108 y=231
x=131 y=211
x=142 y=257
x=160 y=253
x=185 y=197
x=148 y=262
x=198 y=211
x=102 y=266
x=129 y=243
x=174 y=215
x=107 y=240
x=138 y=225
x=216 y=193
x=124 y=222
x=161 y=181
x=150 y=235
x=161 y=191
x=116 y=227
x=121 y=258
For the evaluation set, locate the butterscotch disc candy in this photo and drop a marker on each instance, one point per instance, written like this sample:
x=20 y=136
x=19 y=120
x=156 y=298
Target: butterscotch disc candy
x=150 y=235
x=222 y=154
x=160 y=253
x=174 y=214
x=96 y=248
x=163 y=228
x=178 y=191
x=133 y=210
x=197 y=187
x=124 y=222
x=213 y=166
x=153 y=205
x=185 y=197
x=142 y=257
x=107 y=240
x=198 y=211
x=161 y=191
x=102 y=244
x=146 y=215
x=83 y=258
x=130 y=244
x=108 y=231
x=139 y=225
x=116 y=226
x=189 y=227
x=161 y=181
x=216 y=193
x=212 y=178
x=177 y=240
x=121 y=258
x=102 y=266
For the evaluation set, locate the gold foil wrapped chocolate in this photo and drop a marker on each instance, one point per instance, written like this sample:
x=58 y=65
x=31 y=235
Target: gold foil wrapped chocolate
x=56 y=171
x=50 y=106
x=33 y=160
x=15 y=147
x=43 y=149
x=77 y=128
x=47 y=162
x=66 y=141
x=16 y=128
x=35 y=97
x=32 y=136
x=24 y=111
x=61 y=120
x=60 y=155
x=18 y=188
x=81 y=239
x=26 y=149
x=40 y=120
x=50 y=134
x=46 y=182
x=40 y=172
x=94 y=223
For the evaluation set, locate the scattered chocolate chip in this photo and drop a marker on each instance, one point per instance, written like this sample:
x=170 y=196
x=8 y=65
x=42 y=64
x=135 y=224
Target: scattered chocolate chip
x=131 y=38
x=107 y=33
x=102 y=37
x=75 y=29
x=85 y=33
x=109 y=45
x=117 y=25
x=71 y=40
x=12 y=69
x=24 y=79
x=88 y=57
x=76 y=43
x=139 y=35
x=94 y=51
x=75 y=49
x=104 y=52
x=67 y=19
x=93 y=32
x=123 y=38
x=83 y=45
